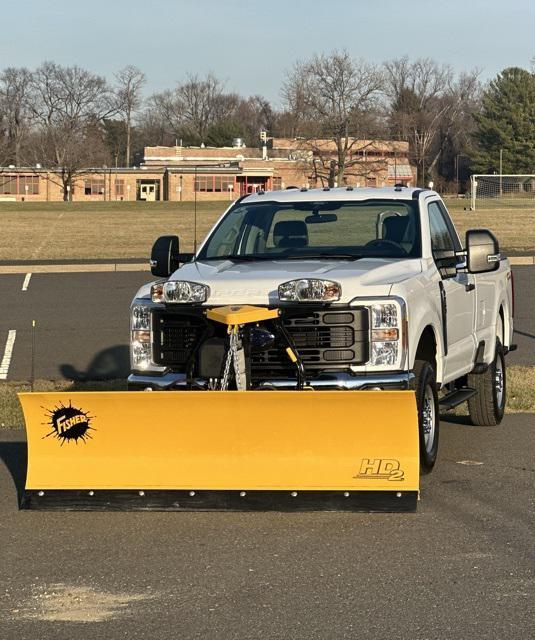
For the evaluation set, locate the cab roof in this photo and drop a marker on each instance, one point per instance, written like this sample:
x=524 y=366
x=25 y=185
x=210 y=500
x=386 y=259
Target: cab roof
x=337 y=194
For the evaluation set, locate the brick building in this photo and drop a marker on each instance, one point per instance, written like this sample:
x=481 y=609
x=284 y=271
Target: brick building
x=222 y=173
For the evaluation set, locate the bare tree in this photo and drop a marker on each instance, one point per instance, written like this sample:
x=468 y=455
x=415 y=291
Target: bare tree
x=194 y=106
x=69 y=105
x=426 y=106
x=14 y=92
x=130 y=82
x=334 y=95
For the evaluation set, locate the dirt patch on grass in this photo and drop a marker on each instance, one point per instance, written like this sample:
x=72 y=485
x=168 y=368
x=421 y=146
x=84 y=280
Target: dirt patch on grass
x=71 y=603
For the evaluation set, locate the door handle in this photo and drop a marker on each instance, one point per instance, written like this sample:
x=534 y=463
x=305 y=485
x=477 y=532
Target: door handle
x=469 y=287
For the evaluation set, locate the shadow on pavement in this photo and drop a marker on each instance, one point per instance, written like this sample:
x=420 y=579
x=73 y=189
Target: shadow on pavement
x=112 y=363
x=14 y=455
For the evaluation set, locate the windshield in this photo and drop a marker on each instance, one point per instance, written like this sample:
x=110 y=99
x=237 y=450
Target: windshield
x=350 y=230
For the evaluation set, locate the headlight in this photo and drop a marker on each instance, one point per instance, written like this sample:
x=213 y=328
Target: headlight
x=384 y=316
x=141 y=351
x=179 y=291
x=140 y=317
x=140 y=341
x=384 y=353
x=310 y=290
x=385 y=334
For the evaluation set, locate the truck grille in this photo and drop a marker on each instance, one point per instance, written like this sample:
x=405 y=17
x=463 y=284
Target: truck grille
x=175 y=336
x=331 y=339
x=325 y=340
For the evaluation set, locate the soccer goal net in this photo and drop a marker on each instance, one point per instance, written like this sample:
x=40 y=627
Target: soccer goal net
x=502 y=191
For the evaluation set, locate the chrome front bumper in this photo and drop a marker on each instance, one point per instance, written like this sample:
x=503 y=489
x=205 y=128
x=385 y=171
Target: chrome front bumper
x=343 y=381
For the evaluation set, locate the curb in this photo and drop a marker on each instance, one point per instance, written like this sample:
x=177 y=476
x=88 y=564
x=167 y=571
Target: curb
x=73 y=268
x=138 y=266
x=522 y=260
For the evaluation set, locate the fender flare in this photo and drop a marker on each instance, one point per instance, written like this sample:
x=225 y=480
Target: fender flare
x=435 y=327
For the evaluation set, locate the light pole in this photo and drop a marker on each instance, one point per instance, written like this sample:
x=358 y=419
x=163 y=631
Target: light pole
x=501 y=172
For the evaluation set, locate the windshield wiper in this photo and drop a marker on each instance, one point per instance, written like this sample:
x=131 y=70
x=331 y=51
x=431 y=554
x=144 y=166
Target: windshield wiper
x=282 y=256
x=322 y=256
x=238 y=258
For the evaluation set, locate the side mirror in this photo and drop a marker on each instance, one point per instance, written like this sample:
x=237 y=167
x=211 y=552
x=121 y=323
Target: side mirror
x=482 y=251
x=164 y=257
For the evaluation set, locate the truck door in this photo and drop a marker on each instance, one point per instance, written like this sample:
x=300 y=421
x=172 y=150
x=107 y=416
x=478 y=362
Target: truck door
x=456 y=293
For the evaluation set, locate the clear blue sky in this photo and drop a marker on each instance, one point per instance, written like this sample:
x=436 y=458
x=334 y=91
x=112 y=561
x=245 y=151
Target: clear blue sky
x=248 y=43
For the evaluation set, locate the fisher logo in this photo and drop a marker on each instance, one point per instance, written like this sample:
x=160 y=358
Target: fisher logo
x=69 y=423
x=380 y=469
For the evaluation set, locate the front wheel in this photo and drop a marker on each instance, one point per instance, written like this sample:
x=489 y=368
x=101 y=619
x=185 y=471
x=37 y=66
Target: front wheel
x=428 y=413
x=487 y=407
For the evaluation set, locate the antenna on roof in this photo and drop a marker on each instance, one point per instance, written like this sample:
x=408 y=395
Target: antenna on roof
x=195 y=211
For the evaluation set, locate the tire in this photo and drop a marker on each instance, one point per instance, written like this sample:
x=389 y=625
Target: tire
x=487 y=407
x=428 y=414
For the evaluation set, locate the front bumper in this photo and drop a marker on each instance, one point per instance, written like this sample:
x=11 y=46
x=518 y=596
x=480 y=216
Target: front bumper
x=401 y=380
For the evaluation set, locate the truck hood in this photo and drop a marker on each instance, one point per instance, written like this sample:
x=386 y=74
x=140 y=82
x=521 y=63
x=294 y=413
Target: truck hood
x=257 y=282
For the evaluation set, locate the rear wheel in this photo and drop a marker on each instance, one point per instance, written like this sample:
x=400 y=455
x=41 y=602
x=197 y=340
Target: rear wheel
x=487 y=407
x=428 y=413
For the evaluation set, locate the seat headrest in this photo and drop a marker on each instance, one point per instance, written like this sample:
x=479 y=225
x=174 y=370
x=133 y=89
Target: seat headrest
x=395 y=228
x=290 y=233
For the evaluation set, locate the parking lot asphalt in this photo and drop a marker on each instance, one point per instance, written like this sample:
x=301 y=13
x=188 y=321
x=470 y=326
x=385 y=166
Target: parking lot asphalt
x=82 y=322
x=461 y=567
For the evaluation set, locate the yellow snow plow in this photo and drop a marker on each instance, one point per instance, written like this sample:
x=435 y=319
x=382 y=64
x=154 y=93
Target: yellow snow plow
x=282 y=450
x=228 y=446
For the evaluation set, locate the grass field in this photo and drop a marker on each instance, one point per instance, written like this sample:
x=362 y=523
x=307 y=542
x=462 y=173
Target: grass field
x=109 y=230
x=521 y=394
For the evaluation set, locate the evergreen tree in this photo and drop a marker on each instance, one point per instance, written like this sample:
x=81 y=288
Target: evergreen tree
x=506 y=121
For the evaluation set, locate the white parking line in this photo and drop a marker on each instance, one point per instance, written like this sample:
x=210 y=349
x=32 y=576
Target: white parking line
x=26 y=282
x=8 y=352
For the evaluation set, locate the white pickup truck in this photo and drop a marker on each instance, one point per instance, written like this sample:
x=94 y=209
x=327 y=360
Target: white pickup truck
x=373 y=289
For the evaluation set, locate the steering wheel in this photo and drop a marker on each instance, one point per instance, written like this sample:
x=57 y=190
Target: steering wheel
x=379 y=241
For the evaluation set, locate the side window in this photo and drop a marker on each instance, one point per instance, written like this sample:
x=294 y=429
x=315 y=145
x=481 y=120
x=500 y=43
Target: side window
x=226 y=237
x=441 y=238
x=453 y=232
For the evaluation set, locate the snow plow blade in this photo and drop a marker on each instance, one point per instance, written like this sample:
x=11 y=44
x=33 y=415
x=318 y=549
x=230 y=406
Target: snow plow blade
x=222 y=450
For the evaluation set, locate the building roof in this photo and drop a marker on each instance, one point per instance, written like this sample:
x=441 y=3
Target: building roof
x=325 y=144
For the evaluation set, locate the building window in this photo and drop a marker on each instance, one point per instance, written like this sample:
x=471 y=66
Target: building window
x=119 y=187
x=29 y=185
x=214 y=183
x=94 y=187
x=8 y=185
x=16 y=185
x=276 y=182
